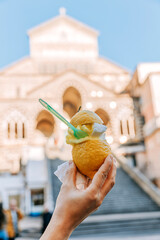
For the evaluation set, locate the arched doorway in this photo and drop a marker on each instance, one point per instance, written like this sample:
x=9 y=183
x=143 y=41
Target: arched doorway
x=45 y=123
x=71 y=101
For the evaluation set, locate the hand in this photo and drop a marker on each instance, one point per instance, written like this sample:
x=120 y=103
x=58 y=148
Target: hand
x=74 y=205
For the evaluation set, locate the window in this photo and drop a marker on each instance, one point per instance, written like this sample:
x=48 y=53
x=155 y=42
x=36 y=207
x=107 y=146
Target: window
x=16 y=126
x=8 y=130
x=37 y=197
x=127 y=127
x=16 y=133
x=23 y=130
x=121 y=128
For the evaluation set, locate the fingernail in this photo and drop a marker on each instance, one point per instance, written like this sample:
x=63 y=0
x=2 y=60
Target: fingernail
x=114 y=160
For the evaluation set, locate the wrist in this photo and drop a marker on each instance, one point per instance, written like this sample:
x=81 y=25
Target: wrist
x=62 y=223
x=62 y=230
x=58 y=229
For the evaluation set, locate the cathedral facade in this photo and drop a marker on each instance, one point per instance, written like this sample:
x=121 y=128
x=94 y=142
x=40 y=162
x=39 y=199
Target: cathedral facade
x=64 y=68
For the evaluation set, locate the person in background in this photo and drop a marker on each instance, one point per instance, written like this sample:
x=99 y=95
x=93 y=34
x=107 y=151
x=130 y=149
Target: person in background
x=74 y=205
x=3 y=234
x=13 y=215
x=46 y=217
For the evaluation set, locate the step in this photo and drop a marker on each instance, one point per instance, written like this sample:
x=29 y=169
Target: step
x=125 y=197
x=119 y=224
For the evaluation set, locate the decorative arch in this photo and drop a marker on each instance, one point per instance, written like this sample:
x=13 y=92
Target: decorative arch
x=75 y=82
x=107 y=122
x=103 y=115
x=71 y=101
x=45 y=123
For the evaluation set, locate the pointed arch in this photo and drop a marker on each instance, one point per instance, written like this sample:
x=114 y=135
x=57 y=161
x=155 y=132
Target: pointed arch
x=71 y=101
x=103 y=115
x=45 y=123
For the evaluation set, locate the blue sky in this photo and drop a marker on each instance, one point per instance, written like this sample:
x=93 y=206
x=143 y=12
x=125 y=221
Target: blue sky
x=129 y=29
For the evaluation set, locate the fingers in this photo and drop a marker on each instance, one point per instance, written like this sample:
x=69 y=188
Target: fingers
x=81 y=181
x=101 y=175
x=110 y=181
x=70 y=177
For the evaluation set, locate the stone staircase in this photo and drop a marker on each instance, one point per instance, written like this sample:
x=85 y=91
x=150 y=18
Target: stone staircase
x=119 y=225
x=126 y=197
x=126 y=210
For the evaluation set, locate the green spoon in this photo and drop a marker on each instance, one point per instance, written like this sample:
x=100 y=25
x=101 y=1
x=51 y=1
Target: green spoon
x=77 y=132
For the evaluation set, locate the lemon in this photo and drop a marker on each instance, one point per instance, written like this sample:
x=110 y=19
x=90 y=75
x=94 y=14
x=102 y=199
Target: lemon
x=90 y=155
x=90 y=152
